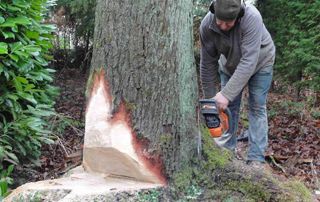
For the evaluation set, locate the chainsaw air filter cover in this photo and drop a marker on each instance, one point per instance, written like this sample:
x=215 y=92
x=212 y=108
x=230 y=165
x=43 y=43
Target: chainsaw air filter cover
x=217 y=122
x=212 y=120
x=211 y=115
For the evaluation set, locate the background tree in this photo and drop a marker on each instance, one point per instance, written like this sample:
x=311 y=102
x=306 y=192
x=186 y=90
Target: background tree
x=73 y=41
x=295 y=28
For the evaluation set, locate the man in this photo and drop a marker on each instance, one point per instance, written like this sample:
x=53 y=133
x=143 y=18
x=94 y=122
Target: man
x=236 y=45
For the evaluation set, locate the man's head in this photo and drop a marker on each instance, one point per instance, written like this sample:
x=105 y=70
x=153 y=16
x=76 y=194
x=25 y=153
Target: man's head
x=226 y=12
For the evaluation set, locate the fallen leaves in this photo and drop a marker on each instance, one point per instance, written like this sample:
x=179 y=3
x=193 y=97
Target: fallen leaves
x=294 y=142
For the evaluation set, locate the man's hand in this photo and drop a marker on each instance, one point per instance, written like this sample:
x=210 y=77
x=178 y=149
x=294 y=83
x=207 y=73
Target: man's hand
x=222 y=102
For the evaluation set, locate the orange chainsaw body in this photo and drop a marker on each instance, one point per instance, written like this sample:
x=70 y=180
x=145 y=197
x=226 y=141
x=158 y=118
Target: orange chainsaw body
x=218 y=122
x=224 y=126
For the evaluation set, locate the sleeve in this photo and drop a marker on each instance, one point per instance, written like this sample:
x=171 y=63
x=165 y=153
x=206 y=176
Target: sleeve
x=250 y=49
x=208 y=65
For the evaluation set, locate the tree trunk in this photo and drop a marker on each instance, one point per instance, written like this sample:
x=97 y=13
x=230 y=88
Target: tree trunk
x=145 y=48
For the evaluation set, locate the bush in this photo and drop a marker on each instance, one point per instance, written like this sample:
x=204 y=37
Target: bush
x=5 y=181
x=26 y=91
x=295 y=29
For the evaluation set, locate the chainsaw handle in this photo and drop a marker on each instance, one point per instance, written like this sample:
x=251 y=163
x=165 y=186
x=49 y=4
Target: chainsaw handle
x=207 y=101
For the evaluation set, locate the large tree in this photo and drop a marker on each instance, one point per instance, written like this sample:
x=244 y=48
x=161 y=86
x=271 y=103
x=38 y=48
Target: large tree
x=145 y=48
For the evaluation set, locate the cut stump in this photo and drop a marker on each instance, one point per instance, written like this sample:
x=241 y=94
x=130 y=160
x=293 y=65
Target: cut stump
x=81 y=186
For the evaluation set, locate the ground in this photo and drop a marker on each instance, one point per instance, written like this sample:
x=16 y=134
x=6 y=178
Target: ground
x=294 y=141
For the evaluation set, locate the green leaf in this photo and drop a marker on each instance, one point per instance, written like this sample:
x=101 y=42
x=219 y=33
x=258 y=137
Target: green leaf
x=28 y=97
x=32 y=35
x=8 y=35
x=41 y=61
x=36 y=142
x=6 y=74
x=14 y=57
x=12 y=22
x=46 y=77
x=3 y=48
x=32 y=49
x=22 y=39
x=13 y=8
x=22 y=20
x=51 y=70
x=17 y=84
x=39 y=112
x=47 y=140
x=3 y=187
x=9 y=170
x=16 y=46
x=22 y=54
x=2 y=20
x=8 y=23
x=29 y=87
x=12 y=97
x=49 y=28
x=14 y=29
x=22 y=80
x=21 y=4
x=1 y=153
x=22 y=149
x=12 y=156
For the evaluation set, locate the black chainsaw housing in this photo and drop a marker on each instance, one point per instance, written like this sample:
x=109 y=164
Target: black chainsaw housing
x=210 y=113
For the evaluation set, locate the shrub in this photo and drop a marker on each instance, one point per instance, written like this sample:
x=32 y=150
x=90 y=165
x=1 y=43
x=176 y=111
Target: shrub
x=26 y=92
x=5 y=181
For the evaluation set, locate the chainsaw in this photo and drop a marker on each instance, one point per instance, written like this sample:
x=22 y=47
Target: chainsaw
x=217 y=121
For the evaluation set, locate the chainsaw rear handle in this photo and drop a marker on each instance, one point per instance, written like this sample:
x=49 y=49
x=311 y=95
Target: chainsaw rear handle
x=211 y=103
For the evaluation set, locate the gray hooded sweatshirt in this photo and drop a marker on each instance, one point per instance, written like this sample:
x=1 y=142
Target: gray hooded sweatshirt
x=240 y=53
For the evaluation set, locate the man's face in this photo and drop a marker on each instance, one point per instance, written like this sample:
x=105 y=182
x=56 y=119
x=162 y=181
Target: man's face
x=225 y=25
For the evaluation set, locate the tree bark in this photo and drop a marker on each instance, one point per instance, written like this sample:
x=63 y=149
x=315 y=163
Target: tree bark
x=145 y=48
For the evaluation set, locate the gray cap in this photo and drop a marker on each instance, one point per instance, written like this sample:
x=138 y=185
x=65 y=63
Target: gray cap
x=227 y=10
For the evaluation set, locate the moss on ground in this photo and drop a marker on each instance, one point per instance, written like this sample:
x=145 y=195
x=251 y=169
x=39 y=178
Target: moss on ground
x=216 y=177
x=152 y=195
x=251 y=190
x=214 y=157
x=298 y=191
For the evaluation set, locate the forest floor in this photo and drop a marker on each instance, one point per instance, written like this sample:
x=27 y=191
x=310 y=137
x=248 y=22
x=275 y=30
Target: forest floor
x=294 y=136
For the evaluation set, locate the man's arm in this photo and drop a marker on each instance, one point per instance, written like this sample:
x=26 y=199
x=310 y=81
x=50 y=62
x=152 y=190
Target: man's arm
x=250 y=49
x=208 y=64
